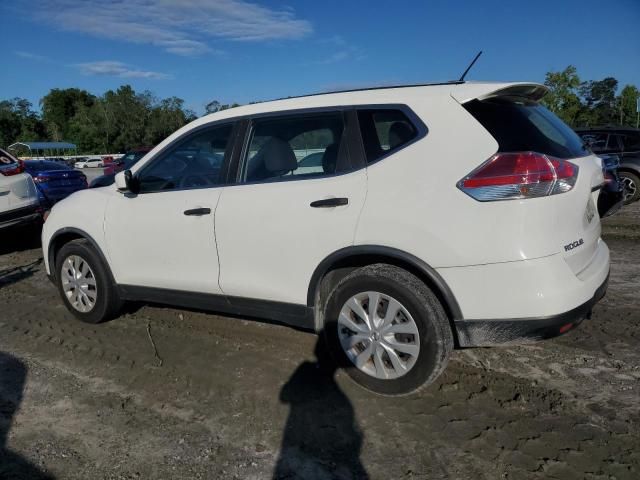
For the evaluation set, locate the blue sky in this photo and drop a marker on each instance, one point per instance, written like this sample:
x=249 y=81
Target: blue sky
x=234 y=50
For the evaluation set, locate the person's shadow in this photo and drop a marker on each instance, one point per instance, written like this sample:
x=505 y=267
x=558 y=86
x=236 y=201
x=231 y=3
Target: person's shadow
x=13 y=374
x=321 y=438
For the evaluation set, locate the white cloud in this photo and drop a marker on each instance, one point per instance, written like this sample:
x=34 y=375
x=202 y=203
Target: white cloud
x=342 y=51
x=31 y=56
x=117 y=69
x=182 y=27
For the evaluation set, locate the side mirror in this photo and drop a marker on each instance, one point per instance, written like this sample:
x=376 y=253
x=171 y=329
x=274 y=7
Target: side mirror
x=126 y=182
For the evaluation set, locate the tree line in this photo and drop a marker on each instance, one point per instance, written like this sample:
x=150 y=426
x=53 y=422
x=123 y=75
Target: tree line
x=119 y=120
x=590 y=103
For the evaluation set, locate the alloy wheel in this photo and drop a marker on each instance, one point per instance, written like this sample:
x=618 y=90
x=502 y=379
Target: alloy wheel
x=630 y=188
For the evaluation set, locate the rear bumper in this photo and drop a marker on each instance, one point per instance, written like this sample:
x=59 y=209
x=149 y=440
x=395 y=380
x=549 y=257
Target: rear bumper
x=20 y=216
x=485 y=333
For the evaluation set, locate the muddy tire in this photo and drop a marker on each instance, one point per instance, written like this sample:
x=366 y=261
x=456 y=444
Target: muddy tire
x=84 y=283
x=387 y=330
x=631 y=183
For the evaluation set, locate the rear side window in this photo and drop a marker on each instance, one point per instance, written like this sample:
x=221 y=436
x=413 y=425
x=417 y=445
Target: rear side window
x=631 y=143
x=518 y=126
x=384 y=131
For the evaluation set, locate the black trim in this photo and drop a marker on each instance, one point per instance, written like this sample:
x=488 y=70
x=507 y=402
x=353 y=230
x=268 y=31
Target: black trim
x=80 y=233
x=295 y=315
x=20 y=215
x=451 y=304
x=486 y=333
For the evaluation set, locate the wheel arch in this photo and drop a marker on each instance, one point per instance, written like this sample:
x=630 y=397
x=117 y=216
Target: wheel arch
x=340 y=263
x=65 y=235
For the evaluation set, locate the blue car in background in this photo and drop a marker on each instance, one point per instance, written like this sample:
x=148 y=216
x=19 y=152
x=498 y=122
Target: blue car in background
x=54 y=180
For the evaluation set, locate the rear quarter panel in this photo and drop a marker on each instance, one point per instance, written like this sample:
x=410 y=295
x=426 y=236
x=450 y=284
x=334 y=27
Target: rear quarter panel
x=413 y=203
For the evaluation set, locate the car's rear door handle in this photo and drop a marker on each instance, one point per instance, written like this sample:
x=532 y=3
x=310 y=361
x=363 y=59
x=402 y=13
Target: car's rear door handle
x=198 y=211
x=330 y=202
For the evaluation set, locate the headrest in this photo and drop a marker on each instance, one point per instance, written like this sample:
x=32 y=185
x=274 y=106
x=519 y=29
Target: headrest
x=399 y=133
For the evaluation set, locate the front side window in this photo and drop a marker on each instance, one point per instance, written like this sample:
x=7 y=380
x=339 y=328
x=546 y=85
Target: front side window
x=596 y=141
x=384 y=131
x=195 y=162
x=295 y=147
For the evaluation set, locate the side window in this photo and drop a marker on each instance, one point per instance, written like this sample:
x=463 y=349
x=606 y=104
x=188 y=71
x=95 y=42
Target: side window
x=384 y=131
x=631 y=143
x=597 y=141
x=294 y=147
x=613 y=143
x=195 y=162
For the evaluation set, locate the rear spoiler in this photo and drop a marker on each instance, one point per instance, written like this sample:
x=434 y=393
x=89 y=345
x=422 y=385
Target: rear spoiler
x=529 y=91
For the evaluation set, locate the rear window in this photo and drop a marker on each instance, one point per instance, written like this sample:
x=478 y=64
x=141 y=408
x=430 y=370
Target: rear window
x=44 y=166
x=526 y=126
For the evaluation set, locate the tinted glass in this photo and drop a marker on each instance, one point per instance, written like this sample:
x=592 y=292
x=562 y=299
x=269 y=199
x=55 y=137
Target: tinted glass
x=195 y=162
x=596 y=141
x=295 y=147
x=614 y=143
x=44 y=166
x=522 y=126
x=631 y=143
x=384 y=131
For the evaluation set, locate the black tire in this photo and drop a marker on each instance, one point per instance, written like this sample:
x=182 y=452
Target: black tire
x=635 y=179
x=436 y=338
x=108 y=303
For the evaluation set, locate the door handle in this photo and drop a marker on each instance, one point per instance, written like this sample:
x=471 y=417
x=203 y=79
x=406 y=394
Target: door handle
x=198 y=211
x=330 y=202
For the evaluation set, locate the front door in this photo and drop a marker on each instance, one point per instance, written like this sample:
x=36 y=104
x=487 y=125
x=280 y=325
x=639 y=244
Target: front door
x=164 y=236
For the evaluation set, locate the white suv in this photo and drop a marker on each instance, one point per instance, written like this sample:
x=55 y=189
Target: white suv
x=400 y=222
x=18 y=195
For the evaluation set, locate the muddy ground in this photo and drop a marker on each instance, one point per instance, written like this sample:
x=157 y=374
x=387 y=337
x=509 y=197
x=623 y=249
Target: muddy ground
x=221 y=397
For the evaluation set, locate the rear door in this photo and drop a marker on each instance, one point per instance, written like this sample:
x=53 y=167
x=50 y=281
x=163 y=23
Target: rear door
x=299 y=193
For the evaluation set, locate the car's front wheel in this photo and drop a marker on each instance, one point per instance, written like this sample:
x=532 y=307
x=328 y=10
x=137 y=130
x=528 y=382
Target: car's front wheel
x=84 y=284
x=388 y=330
x=631 y=183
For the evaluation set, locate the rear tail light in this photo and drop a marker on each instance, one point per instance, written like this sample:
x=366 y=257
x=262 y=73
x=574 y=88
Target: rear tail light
x=519 y=175
x=14 y=169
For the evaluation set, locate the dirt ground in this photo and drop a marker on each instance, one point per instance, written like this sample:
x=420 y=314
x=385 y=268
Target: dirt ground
x=167 y=393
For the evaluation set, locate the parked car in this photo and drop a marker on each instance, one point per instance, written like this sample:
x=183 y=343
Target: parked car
x=128 y=160
x=623 y=142
x=611 y=197
x=453 y=214
x=89 y=163
x=18 y=196
x=54 y=181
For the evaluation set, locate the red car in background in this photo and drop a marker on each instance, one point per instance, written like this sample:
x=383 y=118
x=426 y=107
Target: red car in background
x=113 y=166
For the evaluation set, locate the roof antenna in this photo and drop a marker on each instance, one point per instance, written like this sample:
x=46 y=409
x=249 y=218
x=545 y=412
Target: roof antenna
x=470 y=65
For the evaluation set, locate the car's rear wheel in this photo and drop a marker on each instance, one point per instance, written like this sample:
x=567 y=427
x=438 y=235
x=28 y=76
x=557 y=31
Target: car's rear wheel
x=631 y=183
x=84 y=283
x=388 y=330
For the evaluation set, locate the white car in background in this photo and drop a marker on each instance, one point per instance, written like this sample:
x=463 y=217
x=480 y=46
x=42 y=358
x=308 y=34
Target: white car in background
x=18 y=195
x=397 y=221
x=89 y=163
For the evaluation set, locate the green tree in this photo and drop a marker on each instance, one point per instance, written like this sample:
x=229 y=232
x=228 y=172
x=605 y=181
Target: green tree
x=627 y=104
x=563 y=98
x=599 y=98
x=58 y=108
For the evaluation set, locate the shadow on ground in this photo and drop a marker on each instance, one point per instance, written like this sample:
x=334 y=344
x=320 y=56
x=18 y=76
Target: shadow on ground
x=18 y=239
x=321 y=438
x=13 y=275
x=13 y=374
